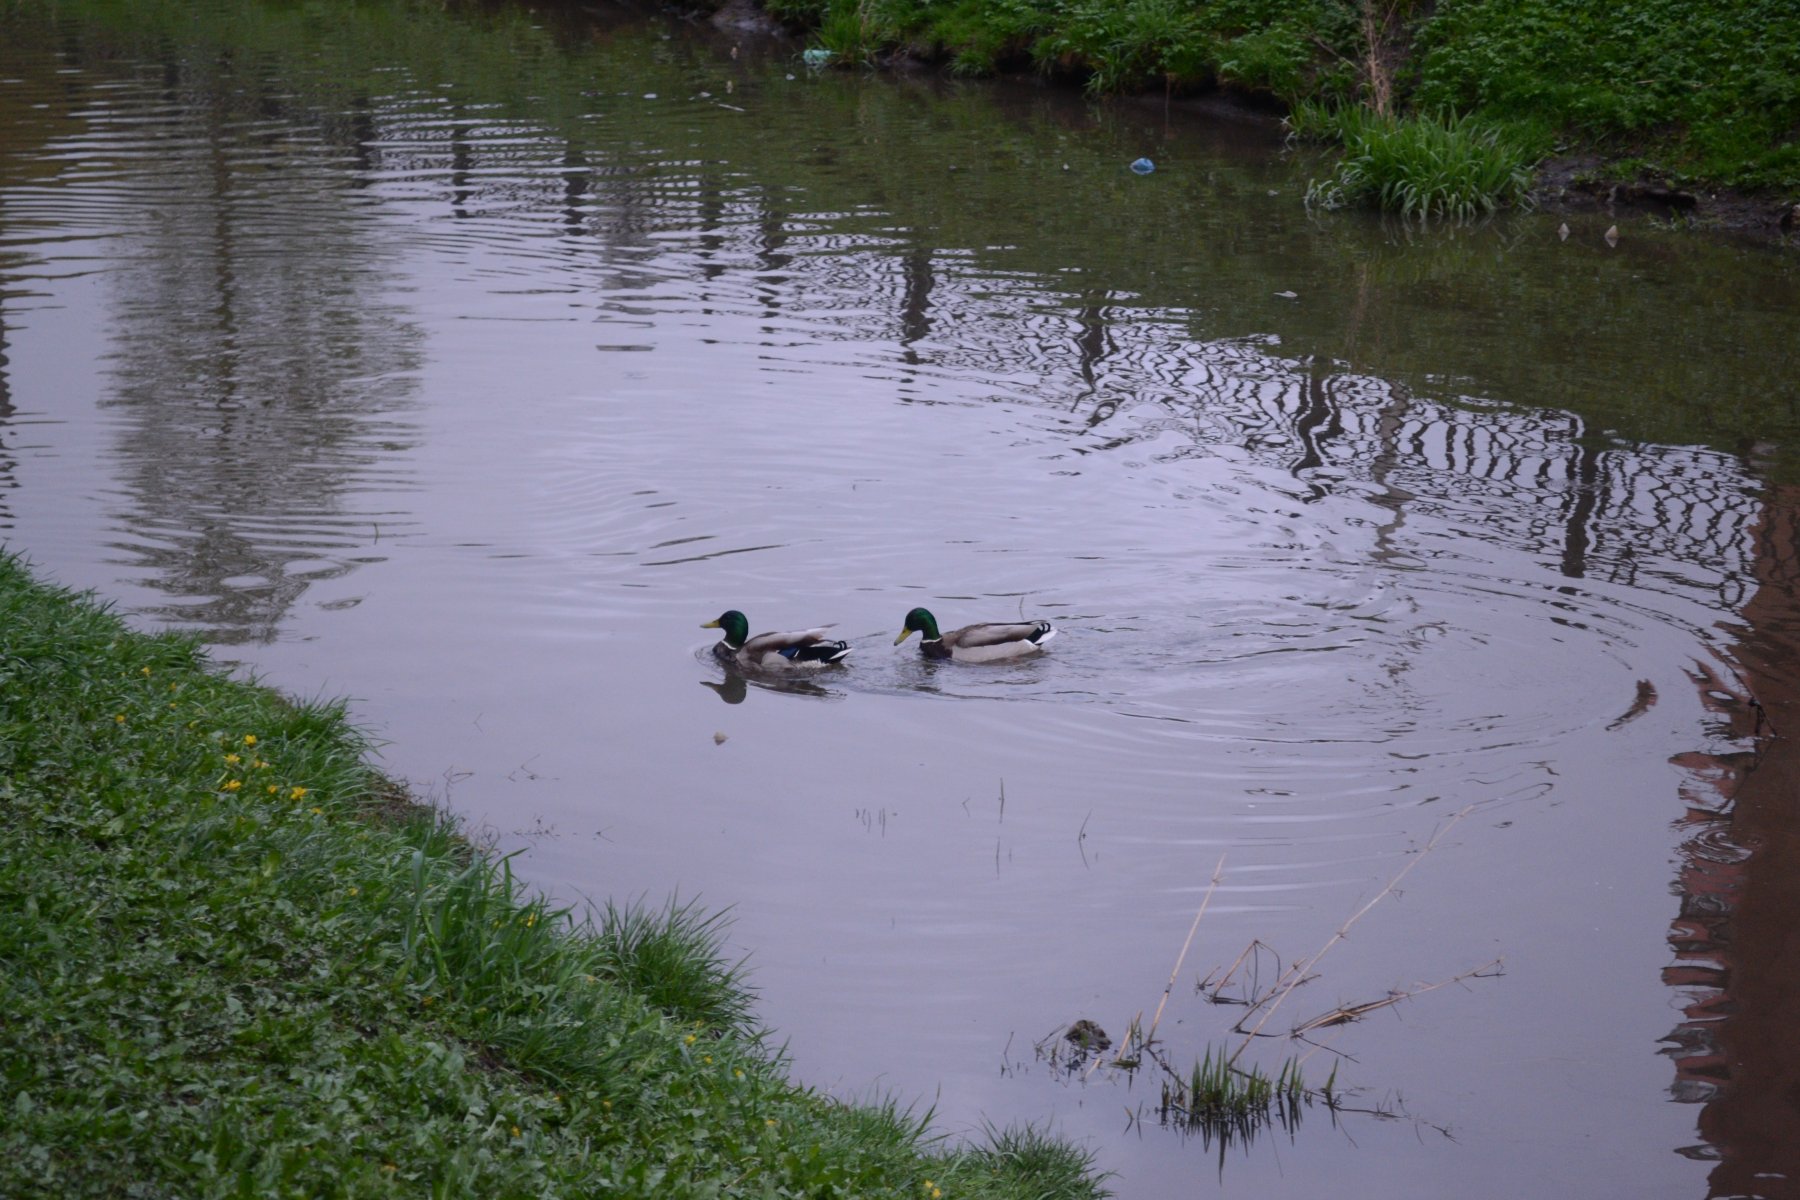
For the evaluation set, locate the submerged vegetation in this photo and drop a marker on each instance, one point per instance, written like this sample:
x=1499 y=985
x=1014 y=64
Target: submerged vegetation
x=1692 y=92
x=237 y=963
x=1219 y=1098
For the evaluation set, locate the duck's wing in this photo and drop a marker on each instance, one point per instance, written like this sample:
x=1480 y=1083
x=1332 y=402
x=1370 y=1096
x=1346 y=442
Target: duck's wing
x=1000 y=633
x=799 y=647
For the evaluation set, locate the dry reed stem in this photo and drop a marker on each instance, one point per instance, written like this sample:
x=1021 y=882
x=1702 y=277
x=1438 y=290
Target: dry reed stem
x=1150 y=1037
x=1211 y=990
x=1300 y=968
x=1350 y=1012
x=1182 y=957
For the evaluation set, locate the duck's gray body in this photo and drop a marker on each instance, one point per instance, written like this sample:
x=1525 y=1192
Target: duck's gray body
x=989 y=641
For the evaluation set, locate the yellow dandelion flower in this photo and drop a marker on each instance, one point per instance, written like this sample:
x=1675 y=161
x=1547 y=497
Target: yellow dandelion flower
x=689 y=1039
x=232 y=785
x=771 y=1122
x=296 y=793
x=249 y=739
x=736 y=1074
x=146 y=672
x=273 y=789
x=232 y=759
x=120 y=718
x=317 y=811
x=707 y=1059
x=355 y=891
x=515 y=1131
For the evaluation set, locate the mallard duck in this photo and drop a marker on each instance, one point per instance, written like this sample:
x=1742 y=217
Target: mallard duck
x=986 y=642
x=803 y=649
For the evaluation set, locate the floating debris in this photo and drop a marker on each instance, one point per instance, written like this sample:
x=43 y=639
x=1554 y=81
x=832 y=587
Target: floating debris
x=1088 y=1036
x=1142 y=166
x=1643 y=703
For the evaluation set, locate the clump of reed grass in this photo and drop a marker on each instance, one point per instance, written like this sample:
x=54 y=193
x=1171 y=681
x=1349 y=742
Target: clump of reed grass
x=1222 y=1098
x=851 y=32
x=1421 y=166
x=1042 y=1162
x=673 y=957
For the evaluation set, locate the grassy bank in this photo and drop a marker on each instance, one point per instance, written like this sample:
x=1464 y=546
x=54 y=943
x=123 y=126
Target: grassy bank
x=234 y=963
x=1694 y=93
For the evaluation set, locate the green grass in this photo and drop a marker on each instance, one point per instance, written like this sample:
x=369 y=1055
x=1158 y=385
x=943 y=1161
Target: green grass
x=1710 y=87
x=1420 y=166
x=234 y=963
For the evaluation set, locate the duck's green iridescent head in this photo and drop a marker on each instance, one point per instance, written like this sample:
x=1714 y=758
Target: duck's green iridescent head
x=736 y=627
x=919 y=620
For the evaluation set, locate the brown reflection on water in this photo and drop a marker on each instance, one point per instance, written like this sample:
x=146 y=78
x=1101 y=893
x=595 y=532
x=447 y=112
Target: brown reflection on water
x=1737 y=940
x=8 y=481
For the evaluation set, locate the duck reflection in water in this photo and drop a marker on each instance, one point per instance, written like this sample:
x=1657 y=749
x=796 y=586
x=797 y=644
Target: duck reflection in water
x=736 y=686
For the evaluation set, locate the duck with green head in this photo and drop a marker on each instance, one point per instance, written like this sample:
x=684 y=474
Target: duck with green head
x=989 y=641
x=801 y=650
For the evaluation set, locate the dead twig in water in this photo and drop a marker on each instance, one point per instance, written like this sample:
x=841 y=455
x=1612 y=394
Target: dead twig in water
x=1182 y=957
x=1145 y=1042
x=1253 y=994
x=1299 y=970
x=1350 y=1012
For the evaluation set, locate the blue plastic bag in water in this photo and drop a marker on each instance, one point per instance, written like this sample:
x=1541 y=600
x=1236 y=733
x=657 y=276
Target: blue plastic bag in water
x=1143 y=166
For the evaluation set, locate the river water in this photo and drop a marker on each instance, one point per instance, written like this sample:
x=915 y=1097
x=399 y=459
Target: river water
x=464 y=366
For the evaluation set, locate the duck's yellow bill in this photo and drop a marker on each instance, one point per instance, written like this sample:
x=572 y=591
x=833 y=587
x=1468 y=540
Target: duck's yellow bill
x=904 y=634
x=710 y=625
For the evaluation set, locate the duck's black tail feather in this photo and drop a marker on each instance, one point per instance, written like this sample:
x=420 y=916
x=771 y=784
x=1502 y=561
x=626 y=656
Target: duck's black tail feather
x=822 y=652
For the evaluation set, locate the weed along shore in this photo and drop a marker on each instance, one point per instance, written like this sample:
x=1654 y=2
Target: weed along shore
x=1688 y=112
x=238 y=962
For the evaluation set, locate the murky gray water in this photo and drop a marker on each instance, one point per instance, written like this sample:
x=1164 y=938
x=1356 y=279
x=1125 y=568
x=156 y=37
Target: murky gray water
x=465 y=368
